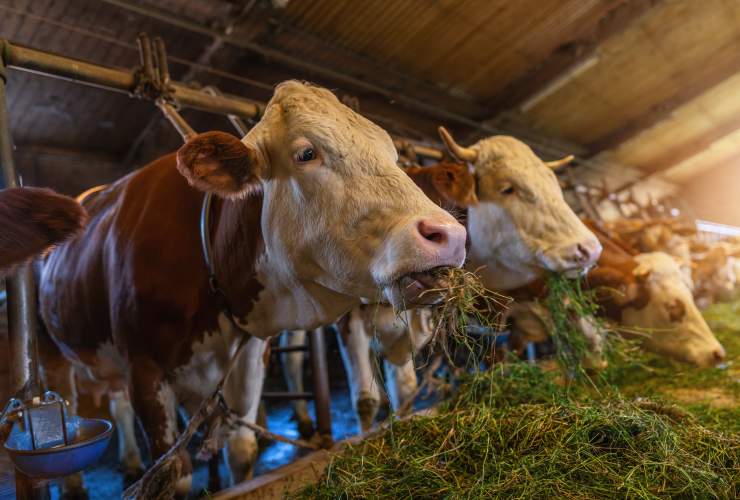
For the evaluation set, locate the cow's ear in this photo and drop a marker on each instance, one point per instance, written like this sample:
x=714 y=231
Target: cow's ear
x=641 y=272
x=219 y=163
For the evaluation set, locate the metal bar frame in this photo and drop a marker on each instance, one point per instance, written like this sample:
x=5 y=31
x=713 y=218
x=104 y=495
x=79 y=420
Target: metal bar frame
x=22 y=316
x=45 y=63
x=322 y=394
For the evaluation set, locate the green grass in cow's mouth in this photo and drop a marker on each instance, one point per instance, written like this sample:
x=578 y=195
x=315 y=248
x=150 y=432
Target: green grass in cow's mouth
x=465 y=301
x=516 y=433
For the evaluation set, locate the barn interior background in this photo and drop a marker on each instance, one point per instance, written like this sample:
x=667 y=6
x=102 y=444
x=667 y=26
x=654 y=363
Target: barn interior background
x=644 y=93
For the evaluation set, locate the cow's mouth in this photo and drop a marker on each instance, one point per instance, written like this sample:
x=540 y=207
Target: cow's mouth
x=576 y=272
x=421 y=288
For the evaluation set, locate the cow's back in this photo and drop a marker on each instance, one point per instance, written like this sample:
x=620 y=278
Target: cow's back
x=138 y=263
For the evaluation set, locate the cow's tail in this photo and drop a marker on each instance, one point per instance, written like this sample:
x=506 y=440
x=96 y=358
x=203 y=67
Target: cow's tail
x=34 y=219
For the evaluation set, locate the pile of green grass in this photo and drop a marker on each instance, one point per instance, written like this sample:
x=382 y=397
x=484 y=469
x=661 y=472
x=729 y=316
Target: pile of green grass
x=517 y=433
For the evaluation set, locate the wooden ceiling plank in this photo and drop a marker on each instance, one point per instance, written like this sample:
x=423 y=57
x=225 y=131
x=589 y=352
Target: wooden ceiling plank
x=612 y=21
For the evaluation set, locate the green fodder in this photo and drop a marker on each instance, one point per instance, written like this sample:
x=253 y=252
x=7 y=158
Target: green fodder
x=464 y=301
x=568 y=303
x=491 y=443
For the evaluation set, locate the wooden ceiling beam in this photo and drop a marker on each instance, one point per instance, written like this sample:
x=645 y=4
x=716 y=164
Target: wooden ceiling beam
x=683 y=151
x=440 y=106
x=710 y=77
x=612 y=19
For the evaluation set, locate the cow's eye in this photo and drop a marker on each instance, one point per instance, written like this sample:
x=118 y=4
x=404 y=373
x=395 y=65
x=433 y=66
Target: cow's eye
x=306 y=155
x=507 y=189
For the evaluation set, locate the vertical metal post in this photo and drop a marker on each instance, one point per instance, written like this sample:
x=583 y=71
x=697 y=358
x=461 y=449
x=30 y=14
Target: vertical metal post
x=322 y=396
x=22 y=322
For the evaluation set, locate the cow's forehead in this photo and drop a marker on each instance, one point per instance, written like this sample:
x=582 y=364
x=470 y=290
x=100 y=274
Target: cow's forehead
x=316 y=113
x=505 y=156
x=662 y=266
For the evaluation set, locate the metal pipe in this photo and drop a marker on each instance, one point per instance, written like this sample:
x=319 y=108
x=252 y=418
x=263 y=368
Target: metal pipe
x=177 y=121
x=287 y=396
x=320 y=374
x=241 y=127
x=120 y=80
x=22 y=324
x=146 y=57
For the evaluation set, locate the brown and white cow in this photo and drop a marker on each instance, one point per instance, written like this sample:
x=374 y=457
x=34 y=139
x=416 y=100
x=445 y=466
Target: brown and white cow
x=32 y=220
x=647 y=297
x=313 y=214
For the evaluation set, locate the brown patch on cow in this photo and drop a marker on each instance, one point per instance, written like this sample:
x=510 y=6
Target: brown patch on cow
x=449 y=185
x=219 y=163
x=32 y=220
x=614 y=278
x=677 y=311
x=136 y=277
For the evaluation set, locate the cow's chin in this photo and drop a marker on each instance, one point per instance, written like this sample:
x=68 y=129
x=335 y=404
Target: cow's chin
x=416 y=289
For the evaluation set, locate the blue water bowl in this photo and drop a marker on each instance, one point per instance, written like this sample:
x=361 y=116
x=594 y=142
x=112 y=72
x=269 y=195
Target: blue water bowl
x=88 y=438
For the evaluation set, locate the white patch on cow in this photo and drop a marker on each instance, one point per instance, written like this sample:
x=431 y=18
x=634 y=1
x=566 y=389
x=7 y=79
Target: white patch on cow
x=166 y=398
x=671 y=322
x=124 y=417
x=198 y=378
x=183 y=485
x=110 y=363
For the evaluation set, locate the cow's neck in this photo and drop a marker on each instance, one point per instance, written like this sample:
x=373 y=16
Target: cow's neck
x=497 y=251
x=263 y=297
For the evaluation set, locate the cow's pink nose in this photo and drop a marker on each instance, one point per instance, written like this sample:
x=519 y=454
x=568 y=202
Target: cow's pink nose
x=443 y=240
x=586 y=253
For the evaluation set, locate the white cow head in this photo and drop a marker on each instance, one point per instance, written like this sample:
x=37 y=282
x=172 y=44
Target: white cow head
x=339 y=219
x=671 y=322
x=522 y=225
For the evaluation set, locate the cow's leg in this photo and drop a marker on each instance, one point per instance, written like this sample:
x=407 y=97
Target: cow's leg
x=401 y=384
x=292 y=363
x=156 y=405
x=243 y=392
x=129 y=453
x=354 y=346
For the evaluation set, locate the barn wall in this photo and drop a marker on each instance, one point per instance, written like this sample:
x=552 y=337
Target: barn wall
x=715 y=196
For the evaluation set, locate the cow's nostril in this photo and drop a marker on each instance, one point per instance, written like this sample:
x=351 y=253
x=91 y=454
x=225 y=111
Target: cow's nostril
x=431 y=232
x=582 y=253
x=719 y=355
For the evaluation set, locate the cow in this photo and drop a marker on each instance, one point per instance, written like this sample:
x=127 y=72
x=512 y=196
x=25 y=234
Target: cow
x=645 y=295
x=519 y=227
x=713 y=274
x=32 y=220
x=311 y=215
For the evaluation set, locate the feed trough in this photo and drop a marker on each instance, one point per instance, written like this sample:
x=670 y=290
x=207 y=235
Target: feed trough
x=45 y=443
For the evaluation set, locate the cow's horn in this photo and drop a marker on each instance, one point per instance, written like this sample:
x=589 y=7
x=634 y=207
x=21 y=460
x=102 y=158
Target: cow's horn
x=556 y=164
x=461 y=153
